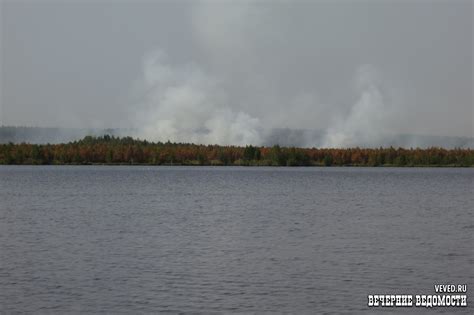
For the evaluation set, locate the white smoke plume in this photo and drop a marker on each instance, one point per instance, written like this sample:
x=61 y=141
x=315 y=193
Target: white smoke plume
x=234 y=96
x=366 y=122
x=185 y=104
x=243 y=85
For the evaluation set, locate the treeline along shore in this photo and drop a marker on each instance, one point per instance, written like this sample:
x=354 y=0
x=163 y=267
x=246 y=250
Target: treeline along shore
x=115 y=150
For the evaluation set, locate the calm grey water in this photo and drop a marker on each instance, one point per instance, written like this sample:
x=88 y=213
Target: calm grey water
x=199 y=239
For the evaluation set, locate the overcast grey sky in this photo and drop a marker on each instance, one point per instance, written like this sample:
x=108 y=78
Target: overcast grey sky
x=287 y=64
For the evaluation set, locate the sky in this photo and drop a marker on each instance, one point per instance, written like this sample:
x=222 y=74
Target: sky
x=227 y=72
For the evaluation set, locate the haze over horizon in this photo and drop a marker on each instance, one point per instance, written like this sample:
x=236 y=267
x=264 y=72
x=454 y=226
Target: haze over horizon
x=231 y=72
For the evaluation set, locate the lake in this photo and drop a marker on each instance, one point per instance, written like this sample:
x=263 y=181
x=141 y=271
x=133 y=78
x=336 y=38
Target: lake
x=137 y=239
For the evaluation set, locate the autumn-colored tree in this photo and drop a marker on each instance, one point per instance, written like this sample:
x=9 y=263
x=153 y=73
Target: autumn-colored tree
x=109 y=149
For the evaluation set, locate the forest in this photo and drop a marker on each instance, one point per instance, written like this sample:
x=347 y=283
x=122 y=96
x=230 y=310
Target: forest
x=116 y=151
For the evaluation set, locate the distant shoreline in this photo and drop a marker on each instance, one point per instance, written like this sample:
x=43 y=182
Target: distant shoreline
x=285 y=137
x=249 y=166
x=110 y=150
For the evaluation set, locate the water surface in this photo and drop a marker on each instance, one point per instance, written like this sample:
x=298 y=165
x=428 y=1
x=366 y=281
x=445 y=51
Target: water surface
x=229 y=239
